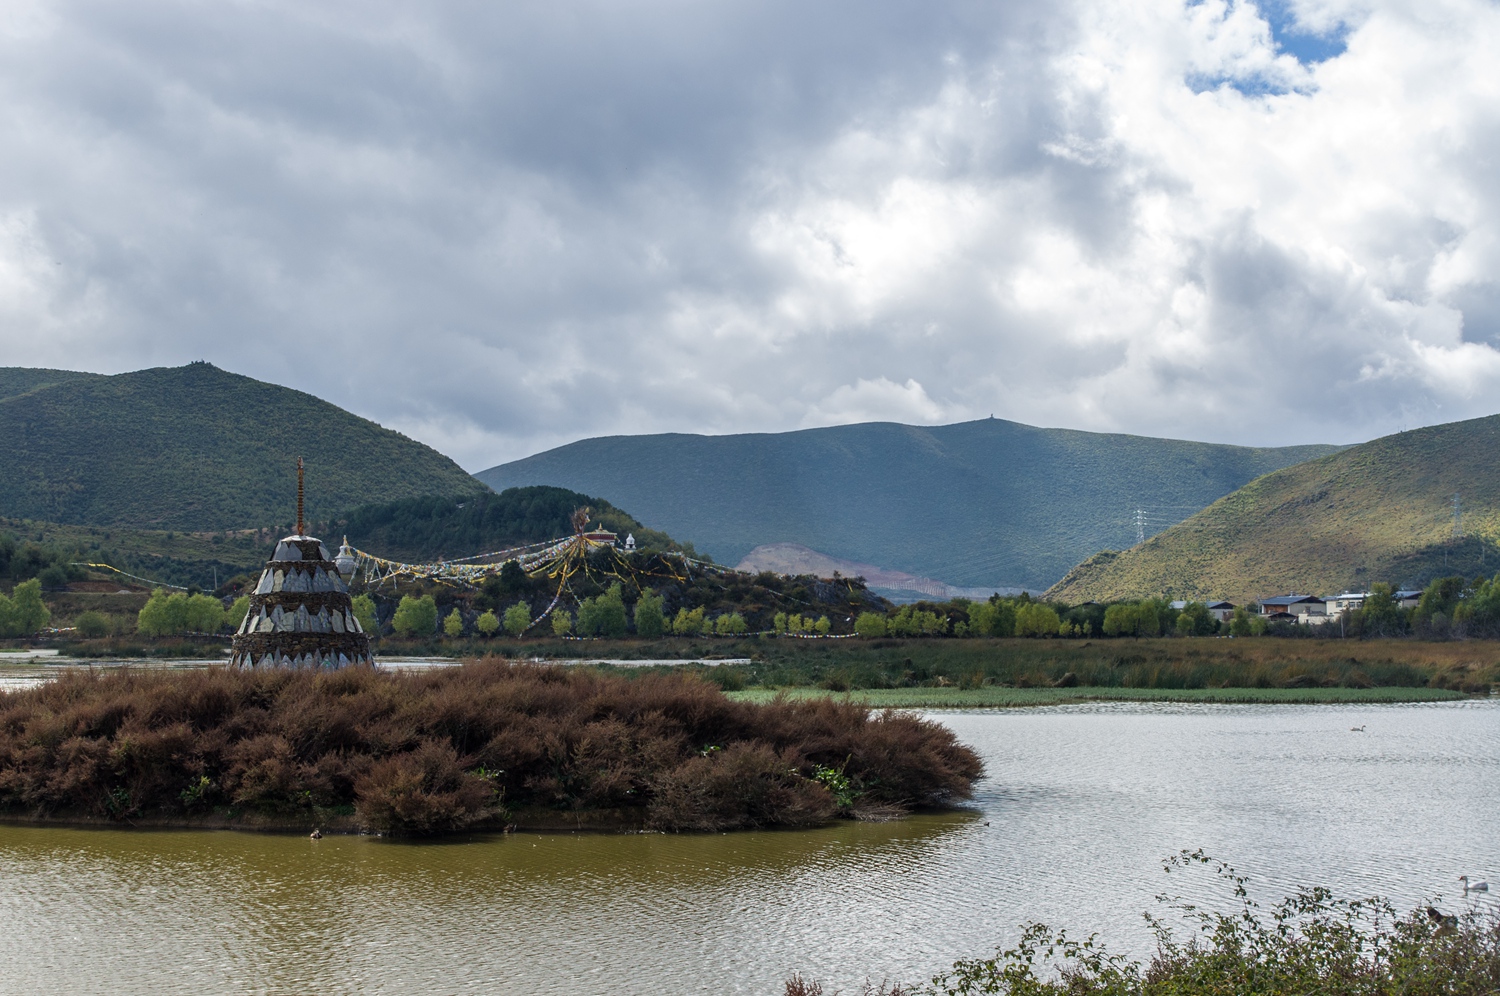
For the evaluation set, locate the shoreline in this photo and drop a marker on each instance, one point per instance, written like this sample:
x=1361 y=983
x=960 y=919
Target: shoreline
x=1025 y=698
x=332 y=823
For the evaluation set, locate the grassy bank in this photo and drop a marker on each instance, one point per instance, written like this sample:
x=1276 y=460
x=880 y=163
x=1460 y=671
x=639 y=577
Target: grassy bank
x=1311 y=942
x=1265 y=663
x=484 y=744
x=993 y=697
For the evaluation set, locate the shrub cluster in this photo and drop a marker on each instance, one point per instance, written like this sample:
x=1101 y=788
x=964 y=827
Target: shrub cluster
x=1309 y=943
x=454 y=747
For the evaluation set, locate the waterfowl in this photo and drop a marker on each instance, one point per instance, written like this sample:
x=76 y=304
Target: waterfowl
x=1475 y=886
x=316 y=834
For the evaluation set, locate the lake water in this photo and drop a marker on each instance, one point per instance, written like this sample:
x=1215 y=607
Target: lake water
x=1081 y=805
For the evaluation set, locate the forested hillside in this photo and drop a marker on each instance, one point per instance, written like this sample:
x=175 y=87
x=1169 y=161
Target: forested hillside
x=1380 y=511
x=423 y=529
x=195 y=448
x=979 y=503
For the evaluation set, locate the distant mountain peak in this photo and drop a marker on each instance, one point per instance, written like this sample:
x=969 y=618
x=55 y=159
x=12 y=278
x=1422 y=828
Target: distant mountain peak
x=982 y=503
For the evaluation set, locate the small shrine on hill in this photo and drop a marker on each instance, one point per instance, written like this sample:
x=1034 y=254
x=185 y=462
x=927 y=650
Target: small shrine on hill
x=300 y=612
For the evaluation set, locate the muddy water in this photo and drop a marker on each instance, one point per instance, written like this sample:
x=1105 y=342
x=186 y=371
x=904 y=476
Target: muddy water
x=1081 y=805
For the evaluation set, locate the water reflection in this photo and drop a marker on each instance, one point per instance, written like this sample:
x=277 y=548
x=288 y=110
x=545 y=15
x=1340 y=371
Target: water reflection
x=1081 y=805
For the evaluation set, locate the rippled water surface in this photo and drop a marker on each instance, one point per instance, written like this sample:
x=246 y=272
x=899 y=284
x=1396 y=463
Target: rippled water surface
x=1081 y=805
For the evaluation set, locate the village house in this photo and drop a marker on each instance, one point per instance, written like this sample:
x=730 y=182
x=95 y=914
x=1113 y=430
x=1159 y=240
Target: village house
x=1308 y=609
x=1217 y=608
x=1353 y=601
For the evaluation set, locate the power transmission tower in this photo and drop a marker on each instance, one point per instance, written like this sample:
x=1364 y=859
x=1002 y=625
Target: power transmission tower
x=1140 y=526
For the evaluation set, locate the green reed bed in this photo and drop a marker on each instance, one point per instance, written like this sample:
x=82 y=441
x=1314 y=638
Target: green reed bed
x=1001 y=698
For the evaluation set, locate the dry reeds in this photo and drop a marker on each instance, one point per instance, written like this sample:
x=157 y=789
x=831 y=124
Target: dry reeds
x=457 y=747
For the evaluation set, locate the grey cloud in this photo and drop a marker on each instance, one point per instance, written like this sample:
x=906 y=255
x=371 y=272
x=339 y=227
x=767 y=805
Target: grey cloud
x=502 y=227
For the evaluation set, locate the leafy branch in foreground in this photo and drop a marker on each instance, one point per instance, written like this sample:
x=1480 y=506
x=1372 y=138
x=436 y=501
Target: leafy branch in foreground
x=1309 y=944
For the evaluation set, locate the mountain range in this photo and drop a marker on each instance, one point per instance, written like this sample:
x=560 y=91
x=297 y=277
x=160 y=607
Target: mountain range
x=984 y=503
x=1402 y=509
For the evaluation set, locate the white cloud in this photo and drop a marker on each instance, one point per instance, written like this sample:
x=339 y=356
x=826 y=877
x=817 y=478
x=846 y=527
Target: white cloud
x=875 y=400
x=501 y=228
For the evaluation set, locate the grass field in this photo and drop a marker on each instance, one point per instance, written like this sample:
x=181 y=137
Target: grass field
x=1009 y=698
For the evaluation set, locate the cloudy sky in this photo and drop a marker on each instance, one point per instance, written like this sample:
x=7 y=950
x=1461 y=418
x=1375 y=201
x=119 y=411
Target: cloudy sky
x=503 y=226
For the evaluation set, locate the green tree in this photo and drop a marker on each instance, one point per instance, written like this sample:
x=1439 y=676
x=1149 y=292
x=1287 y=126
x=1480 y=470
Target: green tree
x=1439 y=604
x=1480 y=612
x=517 y=618
x=901 y=624
x=689 y=623
x=982 y=618
x=649 y=620
x=1239 y=623
x=364 y=613
x=154 y=619
x=562 y=623
x=778 y=622
x=92 y=625
x=235 y=614
x=1132 y=619
x=415 y=616
x=453 y=626
x=822 y=625
x=1380 y=615
x=731 y=624
x=1036 y=619
x=488 y=623
x=1005 y=618
x=870 y=624
x=25 y=612
x=202 y=614
x=1195 y=620
x=603 y=615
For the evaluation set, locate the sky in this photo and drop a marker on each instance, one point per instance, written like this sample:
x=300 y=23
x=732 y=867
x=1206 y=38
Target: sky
x=500 y=227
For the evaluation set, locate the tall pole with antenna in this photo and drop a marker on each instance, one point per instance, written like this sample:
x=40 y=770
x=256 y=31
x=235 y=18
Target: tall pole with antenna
x=301 y=528
x=1140 y=526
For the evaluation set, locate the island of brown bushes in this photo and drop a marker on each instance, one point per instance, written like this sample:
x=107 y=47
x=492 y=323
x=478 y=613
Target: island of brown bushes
x=488 y=744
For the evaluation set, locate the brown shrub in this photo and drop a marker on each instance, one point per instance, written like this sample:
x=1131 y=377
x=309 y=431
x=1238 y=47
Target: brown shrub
x=744 y=785
x=155 y=742
x=422 y=792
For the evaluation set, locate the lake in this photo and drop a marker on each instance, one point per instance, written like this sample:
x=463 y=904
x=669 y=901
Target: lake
x=1080 y=806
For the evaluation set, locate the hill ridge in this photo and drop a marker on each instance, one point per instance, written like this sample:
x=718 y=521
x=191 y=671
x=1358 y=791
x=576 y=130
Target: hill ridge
x=1378 y=511
x=985 y=502
x=195 y=447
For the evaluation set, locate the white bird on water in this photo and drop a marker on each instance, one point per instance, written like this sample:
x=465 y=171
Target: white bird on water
x=1473 y=887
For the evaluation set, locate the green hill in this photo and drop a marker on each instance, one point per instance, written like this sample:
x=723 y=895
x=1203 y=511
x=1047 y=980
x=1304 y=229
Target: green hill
x=423 y=529
x=195 y=448
x=978 y=503
x=1380 y=511
x=21 y=380
x=412 y=529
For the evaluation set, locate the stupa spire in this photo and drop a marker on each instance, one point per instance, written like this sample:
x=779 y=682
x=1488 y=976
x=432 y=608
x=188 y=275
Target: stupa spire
x=300 y=613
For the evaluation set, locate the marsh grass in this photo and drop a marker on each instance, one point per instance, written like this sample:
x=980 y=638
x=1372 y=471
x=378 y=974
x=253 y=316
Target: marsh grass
x=1470 y=666
x=1002 y=697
